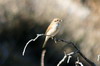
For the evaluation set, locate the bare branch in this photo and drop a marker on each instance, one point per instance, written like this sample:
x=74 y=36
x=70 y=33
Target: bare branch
x=98 y=59
x=78 y=62
x=38 y=35
x=69 y=56
x=68 y=42
x=42 y=57
x=59 y=40
x=65 y=56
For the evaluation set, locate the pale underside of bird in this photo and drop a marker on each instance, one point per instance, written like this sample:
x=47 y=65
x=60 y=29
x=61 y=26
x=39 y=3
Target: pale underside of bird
x=52 y=30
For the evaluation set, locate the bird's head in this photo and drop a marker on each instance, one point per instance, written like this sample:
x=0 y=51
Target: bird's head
x=57 y=20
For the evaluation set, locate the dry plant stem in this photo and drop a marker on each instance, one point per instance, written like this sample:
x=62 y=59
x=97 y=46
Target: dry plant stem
x=42 y=57
x=78 y=62
x=38 y=35
x=59 y=40
x=90 y=62
x=65 y=56
x=69 y=55
x=68 y=42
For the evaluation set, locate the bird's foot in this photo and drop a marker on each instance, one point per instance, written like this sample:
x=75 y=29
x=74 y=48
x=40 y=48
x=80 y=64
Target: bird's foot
x=52 y=37
x=55 y=40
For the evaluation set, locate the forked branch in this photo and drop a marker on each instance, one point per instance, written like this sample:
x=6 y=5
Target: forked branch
x=59 y=40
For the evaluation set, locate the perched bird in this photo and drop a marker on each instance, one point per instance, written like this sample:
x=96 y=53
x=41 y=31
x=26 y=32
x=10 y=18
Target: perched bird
x=52 y=29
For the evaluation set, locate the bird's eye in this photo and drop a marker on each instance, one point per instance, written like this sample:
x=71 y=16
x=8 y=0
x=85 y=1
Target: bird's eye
x=56 y=20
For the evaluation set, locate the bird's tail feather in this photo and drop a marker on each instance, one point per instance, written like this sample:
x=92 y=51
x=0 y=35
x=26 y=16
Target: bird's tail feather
x=46 y=39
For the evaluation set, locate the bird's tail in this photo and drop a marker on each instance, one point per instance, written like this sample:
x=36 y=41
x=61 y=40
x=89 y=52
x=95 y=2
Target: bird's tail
x=46 y=39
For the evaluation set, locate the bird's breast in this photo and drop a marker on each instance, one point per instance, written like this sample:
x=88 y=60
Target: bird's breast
x=54 y=29
x=56 y=25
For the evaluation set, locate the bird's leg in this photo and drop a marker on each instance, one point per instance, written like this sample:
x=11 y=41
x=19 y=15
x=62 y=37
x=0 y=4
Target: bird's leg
x=52 y=37
x=55 y=41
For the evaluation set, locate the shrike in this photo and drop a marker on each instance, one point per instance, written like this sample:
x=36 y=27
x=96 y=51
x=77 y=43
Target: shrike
x=52 y=29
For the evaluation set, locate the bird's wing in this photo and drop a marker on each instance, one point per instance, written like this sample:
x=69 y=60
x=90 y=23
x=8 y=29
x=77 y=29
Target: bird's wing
x=50 y=27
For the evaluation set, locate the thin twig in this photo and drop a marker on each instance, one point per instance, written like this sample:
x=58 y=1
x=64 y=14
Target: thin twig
x=78 y=62
x=60 y=40
x=98 y=59
x=42 y=57
x=68 y=42
x=69 y=55
x=38 y=35
x=65 y=56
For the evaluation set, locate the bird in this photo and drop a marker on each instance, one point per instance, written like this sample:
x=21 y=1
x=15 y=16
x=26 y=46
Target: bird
x=52 y=30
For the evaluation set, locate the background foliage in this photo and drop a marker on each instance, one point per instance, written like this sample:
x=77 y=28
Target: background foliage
x=21 y=20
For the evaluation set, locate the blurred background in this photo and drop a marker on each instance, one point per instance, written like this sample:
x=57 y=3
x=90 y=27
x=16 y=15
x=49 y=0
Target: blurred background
x=21 y=20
